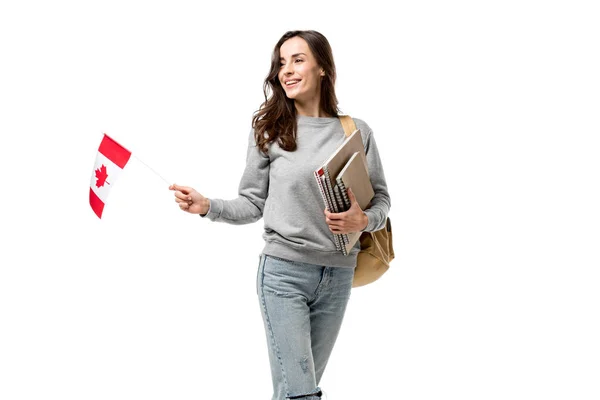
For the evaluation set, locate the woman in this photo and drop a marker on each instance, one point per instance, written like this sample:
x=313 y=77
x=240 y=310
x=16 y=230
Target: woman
x=303 y=282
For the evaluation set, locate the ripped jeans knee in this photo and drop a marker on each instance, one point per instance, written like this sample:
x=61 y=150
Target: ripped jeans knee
x=309 y=396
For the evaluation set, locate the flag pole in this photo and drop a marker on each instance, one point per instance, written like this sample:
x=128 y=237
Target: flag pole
x=151 y=169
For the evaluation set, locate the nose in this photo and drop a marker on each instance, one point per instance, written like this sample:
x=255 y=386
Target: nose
x=288 y=69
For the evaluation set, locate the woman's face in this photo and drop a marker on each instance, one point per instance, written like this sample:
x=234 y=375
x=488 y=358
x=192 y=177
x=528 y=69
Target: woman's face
x=299 y=73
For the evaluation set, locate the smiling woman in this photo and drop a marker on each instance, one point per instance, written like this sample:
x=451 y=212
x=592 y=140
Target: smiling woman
x=301 y=81
x=303 y=282
x=300 y=75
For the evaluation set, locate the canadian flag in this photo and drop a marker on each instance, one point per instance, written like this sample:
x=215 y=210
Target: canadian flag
x=110 y=161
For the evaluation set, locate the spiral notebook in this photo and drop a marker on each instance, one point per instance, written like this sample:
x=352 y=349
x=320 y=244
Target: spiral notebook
x=355 y=176
x=326 y=179
x=321 y=181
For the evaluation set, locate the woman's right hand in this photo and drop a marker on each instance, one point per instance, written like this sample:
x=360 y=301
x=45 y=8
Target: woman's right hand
x=190 y=200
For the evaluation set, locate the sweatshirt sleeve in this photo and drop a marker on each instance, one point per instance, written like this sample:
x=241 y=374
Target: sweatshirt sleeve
x=252 y=191
x=380 y=205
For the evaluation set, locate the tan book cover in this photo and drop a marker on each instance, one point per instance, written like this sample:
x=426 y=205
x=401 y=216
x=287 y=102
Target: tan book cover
x=334 y=164
x=355 y=175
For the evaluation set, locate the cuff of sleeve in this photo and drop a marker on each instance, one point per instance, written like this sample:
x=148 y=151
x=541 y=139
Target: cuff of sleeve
x=371 y=225
x=214 y=210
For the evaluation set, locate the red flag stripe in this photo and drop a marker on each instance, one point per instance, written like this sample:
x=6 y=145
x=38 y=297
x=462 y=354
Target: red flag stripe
x=114 y=151
x=96 y=203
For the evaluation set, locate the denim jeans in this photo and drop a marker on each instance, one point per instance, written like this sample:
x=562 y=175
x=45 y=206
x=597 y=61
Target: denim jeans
x=302 y=307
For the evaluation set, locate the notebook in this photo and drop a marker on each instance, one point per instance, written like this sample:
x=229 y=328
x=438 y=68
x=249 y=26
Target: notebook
x=321 y=180
x=325 y=176
x=355 y=175
x=342 y=154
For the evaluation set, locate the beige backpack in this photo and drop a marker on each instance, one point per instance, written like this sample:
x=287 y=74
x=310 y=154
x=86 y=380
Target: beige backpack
x=376 y=248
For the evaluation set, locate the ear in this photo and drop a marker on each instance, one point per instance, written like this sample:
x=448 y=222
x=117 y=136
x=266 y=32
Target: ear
x=322 y=73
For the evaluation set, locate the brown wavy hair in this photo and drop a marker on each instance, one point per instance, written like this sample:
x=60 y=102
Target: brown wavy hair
x=275 y=120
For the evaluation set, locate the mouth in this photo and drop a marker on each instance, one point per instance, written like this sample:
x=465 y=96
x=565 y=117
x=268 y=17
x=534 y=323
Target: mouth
x=292 y=82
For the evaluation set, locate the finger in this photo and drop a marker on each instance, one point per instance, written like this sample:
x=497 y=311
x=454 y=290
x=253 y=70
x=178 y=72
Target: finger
x=336 y=229
x=179 y=201
x=334 y=216
x=183 y=196
x=352 y=197
x=184 y=206
x=183 y=189
x=334 y=223
x=328 y=214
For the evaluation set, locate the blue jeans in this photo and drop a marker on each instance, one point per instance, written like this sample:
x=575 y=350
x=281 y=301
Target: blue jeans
x=302 y=307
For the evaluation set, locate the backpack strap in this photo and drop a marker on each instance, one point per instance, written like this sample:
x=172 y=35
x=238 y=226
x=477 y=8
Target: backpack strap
x=348 y=124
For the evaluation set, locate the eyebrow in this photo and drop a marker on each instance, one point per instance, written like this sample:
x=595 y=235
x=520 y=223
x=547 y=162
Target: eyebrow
x=293 y=56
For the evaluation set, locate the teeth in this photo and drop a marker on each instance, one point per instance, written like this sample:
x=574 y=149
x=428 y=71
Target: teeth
x=291 y=82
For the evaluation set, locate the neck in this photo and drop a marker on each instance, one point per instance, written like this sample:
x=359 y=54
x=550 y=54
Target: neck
x=312 y=109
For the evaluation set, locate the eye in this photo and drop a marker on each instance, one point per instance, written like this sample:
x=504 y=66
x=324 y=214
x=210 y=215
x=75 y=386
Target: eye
x=299 y=60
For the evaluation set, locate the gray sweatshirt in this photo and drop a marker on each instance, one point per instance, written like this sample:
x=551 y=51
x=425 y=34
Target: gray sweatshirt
x=281 y=187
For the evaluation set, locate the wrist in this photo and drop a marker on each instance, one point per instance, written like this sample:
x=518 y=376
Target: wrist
x=205 y=207
x=365 y=222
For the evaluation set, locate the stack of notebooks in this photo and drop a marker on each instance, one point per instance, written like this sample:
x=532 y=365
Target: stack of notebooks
x=346 y=168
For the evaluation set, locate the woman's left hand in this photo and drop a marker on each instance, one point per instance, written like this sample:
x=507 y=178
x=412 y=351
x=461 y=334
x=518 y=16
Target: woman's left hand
x=353 y=220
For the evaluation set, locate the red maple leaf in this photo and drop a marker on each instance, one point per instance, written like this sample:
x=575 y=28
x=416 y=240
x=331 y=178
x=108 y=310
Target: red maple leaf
x=101 y=176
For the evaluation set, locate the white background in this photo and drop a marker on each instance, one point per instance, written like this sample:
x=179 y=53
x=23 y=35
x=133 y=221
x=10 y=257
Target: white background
x=486 y=115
